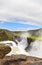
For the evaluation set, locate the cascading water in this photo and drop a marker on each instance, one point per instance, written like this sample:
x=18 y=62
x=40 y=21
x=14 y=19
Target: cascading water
x=35 y=46
x=36 y=49
x=23 y=43
x=14 y=48
x=10 y=43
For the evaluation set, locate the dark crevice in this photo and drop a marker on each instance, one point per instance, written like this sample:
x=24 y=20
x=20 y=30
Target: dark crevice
x=29 y=40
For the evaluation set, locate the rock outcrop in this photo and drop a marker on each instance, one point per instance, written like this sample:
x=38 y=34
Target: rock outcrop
x=20 y=60
x=4 y=50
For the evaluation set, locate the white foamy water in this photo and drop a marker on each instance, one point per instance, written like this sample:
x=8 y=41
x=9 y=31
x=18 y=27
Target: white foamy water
x=14 y=48
x=17 y=50
x=23 y=43
x=10 y=43
x=36 y=49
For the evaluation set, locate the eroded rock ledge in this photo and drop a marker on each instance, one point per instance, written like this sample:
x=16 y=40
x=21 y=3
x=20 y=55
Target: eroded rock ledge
x=20 y=60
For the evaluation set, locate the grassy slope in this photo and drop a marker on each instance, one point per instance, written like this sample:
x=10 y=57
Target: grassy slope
x=9 y=35
x=5 y=35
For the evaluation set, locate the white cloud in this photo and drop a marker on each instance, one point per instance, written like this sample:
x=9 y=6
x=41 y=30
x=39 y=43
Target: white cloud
x=22 y=10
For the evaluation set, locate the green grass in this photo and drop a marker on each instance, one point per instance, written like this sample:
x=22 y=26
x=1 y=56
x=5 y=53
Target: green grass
x=5 y=35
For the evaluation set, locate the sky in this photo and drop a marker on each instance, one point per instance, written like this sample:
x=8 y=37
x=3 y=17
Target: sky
x=17 y=26
x=20 y=14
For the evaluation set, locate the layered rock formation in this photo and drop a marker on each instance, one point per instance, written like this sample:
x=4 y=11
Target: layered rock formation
x=20 y=60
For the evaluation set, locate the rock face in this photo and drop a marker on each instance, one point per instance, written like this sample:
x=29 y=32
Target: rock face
x=4 y=50
x=20 y=60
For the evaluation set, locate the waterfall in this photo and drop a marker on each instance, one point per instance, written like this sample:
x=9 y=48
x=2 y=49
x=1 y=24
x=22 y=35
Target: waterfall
x=36 y=48
x=14 y=48
x=23 y=43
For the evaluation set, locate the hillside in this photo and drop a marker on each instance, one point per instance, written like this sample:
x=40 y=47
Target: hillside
x=5 y=35
x=31 y=34
x=11 y=35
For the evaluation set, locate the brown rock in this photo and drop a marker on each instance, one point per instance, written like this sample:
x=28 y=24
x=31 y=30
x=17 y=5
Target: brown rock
x=4 y=50
x=21 y=60
x=16 y=57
